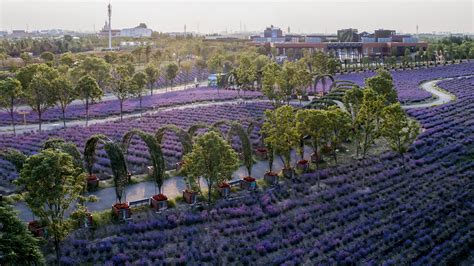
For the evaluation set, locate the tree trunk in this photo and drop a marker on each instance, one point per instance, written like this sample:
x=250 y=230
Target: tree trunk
x=87 y=111
x=13 y=120
x=141 y=109
x=39 y=120
x=64 y=116
x=57 y=250
x=121 y=108
x=209 y=194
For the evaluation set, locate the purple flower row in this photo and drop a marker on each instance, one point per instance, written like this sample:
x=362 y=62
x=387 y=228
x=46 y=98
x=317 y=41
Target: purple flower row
x=387 y=210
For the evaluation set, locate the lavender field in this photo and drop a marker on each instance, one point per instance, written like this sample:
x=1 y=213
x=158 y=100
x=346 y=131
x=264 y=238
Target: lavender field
x=149 y=102
x=407 y=81
x=417 y=210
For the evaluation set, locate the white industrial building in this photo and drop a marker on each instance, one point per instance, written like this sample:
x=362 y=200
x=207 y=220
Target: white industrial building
x=137 y=32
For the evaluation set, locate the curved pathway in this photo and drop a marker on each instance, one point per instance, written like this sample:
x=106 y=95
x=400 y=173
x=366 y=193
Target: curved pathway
x=173 y=186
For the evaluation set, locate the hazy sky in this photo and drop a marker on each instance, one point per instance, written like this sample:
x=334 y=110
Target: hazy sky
x=215 y=16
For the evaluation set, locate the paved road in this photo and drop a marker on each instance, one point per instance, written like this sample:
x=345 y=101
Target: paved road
x=110 y=97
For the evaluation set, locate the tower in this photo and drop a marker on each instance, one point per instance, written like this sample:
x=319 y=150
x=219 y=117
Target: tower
x=110 y=25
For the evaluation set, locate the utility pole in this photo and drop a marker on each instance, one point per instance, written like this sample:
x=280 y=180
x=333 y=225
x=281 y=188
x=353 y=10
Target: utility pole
x=110 y=26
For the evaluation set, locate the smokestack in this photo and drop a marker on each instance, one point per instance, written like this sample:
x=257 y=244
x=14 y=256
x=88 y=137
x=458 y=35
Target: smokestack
x=110 y=26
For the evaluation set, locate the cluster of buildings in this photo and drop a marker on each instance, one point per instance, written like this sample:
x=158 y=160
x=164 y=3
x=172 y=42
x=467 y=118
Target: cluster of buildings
x=137 y=32
x=346 y=44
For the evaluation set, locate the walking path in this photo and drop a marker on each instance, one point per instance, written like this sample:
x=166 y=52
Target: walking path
x=110 y=97
x=173 y=186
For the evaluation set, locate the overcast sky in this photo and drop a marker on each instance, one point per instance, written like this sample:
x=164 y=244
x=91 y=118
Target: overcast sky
x=215 y=16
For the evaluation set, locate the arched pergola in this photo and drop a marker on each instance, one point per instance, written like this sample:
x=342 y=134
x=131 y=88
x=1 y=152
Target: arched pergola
x=322 y=78
x=154 y=149
x=236 y=129
x=117 y=161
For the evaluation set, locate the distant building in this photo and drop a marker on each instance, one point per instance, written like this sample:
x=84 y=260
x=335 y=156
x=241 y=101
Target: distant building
x=105 y=31
x=272 y=32
x=19 y=34
x=137 y=32
x=347 y=44
x=347 y=35
x=3 y=33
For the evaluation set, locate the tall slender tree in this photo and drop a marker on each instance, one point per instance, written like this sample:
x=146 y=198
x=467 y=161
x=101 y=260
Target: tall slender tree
x=10 y=94
x=64 y=94
x=88 y=90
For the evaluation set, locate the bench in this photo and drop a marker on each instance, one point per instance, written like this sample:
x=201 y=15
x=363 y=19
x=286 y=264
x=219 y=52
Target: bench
x=235 y=182
x=139 y=203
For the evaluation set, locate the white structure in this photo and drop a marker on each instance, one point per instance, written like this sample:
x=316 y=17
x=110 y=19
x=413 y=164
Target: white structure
x=137 y=32
x=110 y=26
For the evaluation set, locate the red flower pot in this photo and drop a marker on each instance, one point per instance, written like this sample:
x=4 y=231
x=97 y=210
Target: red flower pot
x=189 y=196
x=159 y=202
x=224 y=189
x=248 y=183
x=261 y=153
x=36 y=228
x=302 y=165
x=271 y=178
x=122 y=210
x=92 y=182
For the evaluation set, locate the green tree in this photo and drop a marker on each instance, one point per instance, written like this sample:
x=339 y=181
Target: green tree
x=280 y=132
x=216 y=63
x=89 y=91
x=201 y=65
x=137 y=52
x=67 y=59
x=211 y=158
x=26 y=57
x=96 y=67
x=340 y=127
x=48 y=57
x=171 y=72
x=301 y=79
x=137 y=86
x=17 y=245
x=245 y=72
x=10 y=94
x=382 y=84
x=367 y=120
x=271 y=72
x=397 y=128
x=152 y=75
x=120 y=86
x=315 y=124
x=147 y=53
x=352 y=100
x=187 y=67
x=39 y=94
x=64 y=94
x=52 y=185
x=287 y=80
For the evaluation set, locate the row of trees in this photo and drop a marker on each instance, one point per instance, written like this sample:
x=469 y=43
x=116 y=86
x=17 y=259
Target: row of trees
x=371 y=113
x=60 y=81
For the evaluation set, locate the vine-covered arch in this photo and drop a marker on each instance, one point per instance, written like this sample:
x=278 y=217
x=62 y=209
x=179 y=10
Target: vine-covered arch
x=154 y=149
x=182 y=135
x=236 y=129
x=116 y=157
x=322 y=78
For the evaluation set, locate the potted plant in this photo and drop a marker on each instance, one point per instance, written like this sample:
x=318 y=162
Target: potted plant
x=302 y=165
x=37 y=229
x=224 y=189
x=248 y=183
x=270 y=176
x=121 y=210
x=92 y=182
x=159 y=202
x=189 y=196
x=261 y=153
